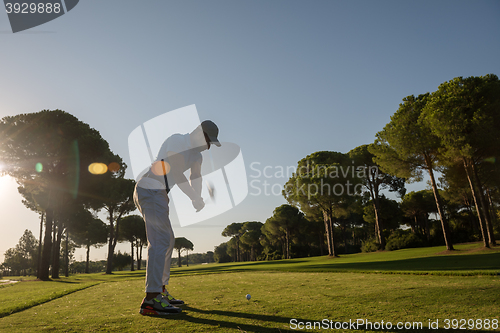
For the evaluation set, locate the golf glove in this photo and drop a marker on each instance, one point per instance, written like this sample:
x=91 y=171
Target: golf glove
x=198 y=204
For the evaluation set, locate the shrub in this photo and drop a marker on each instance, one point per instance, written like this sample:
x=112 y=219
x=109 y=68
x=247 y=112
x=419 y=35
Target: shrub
x=370 y=245
x=404 y=239
x=351 y=248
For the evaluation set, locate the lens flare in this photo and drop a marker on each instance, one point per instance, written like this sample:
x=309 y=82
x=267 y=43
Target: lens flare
x=113 y=167
x=98 y=168
x=160 y=168
x=39 y=167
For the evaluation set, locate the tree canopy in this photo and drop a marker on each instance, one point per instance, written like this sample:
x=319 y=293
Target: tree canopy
x=49 y=154
x=182 y=243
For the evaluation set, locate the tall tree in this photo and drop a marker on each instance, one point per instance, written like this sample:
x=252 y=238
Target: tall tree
x=458 y=194
x=121 y=260
x=88 y=231
x=182 y=243
x=463 y=114
x=289 y=219
x=53 y=150
x=251 y=237
x=406 y=147
x=374 y=180
x=417 y=206
x=273 y=240
x=325 y=183
x=234 y=230
x=132 y=229
x=220 y=253
x=390 y=213
x=118 y=201
x=22 y=257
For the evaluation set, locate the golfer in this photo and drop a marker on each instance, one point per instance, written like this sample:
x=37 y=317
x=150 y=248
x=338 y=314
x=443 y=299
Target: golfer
x=178 y=153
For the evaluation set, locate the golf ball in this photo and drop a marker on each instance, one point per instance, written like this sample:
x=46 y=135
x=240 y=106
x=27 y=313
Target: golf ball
x=248 y=296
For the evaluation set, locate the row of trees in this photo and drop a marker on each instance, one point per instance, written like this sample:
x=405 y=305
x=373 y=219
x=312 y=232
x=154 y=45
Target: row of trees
x=49 y=154
x=453 y=132
x=23 y=259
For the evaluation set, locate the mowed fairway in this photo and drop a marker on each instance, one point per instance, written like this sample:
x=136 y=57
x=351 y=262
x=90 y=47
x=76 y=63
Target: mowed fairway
x=281 y=300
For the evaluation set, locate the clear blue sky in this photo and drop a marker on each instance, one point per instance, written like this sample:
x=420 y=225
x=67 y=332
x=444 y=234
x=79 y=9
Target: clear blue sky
x=281 y=78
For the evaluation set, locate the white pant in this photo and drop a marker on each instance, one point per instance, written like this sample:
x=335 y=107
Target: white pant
x=153 y=205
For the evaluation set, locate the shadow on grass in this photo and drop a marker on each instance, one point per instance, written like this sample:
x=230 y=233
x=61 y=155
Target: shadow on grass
x=40 y=300
x=471 y=264
x=285 y=321
x=468 y=263
x=244 y=266
x=185 y=316
x=63 y=281
x=126 y=275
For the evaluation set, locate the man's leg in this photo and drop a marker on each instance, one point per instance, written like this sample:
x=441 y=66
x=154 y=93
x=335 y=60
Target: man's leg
x=153 y=204
x=168 y=261
x=166 y=274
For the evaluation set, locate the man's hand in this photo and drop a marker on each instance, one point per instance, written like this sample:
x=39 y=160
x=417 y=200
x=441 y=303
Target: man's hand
x=198 y=204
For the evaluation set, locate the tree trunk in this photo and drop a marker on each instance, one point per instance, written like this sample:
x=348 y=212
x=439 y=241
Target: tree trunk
x=87 y=263
x=327 y=229
x=111 y=248
x=472 y=219
x=378 y=223
x=344 y=235
x=473 y=190
x=287 y=244
x=47 y=246
x=414 y=224
x=66 y=268
x=373 y=187
x=426 y=227
x=332 y=234
x=179 y=257
x=55 y=256
x=132 y=256
x=40 y=248
x=437 y=197
x=137 y=254
x=283 y=250
x=238 y=259
x=140 y=255
x=484 y=206
x=492 y=208
x=54 y=242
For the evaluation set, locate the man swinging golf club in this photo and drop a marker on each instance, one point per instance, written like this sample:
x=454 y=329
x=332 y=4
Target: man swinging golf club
x=178 y=153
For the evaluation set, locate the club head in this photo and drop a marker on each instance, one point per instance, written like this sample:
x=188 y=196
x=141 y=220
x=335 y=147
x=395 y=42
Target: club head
x=211 y=191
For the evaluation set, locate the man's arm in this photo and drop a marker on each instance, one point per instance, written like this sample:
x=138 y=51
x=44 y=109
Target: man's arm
x=195 y=178
x=193 y=191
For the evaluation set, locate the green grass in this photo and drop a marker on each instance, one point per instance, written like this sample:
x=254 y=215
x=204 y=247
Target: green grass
x=468 y=259
x=28 y=292
x=308 y=290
